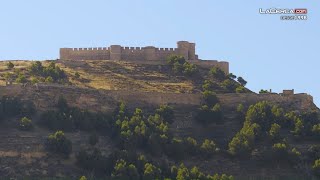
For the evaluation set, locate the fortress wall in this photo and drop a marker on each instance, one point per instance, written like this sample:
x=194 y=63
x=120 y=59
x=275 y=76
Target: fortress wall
x=98 y=53
x=132 y=53
x=163 y=53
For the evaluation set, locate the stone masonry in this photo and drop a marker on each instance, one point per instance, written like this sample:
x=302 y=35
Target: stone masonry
x=149 y=53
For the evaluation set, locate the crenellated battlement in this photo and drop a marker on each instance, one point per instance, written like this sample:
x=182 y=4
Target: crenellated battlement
x=148 y=53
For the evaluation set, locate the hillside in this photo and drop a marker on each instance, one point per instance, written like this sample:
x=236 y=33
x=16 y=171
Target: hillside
x=179 y=112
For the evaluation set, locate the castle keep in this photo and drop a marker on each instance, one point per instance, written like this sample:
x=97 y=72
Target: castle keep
x=138 y=54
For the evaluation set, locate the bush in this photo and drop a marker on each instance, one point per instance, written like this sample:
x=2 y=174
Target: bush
x=77 y=75
x=314 y=152
x=230 y=85
x=232 y=76
x=316 y=167
x=52 y=73
x=210 y=98
x=217 y=73
x=316 y=130
x=208 y=147
x=58 y=143
x=280 y=150
x=21 y=79
x=166 y=112
x=10 y=65
x=242 y=142
x=49 y=79
x=83 y=178
x=175 y=59
x=241 y=89
x=242 y=81
x=25 y=124
x=189 y=69
x=207 y=115
x=274 y=132
x=262 y=91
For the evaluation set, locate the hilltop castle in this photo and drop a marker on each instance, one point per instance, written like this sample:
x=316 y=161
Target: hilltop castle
x=149 y=53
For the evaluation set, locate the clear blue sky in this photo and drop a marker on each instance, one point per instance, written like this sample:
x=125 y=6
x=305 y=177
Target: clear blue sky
x=267 y=52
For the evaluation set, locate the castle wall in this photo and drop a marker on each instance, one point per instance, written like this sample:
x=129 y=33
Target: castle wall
x=85 y=53
x=149 y=53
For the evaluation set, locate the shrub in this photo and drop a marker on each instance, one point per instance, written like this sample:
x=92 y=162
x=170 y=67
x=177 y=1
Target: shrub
x=208 y=147
x=10 y=65
x=189 y=69
x=242 y=81
x=314 y=152
x=21 y=79
x=166 y=112
x=191 y=146
x=316 y=130
x=58 y=143
x=232 y=76
x=210 y=98
x=209 y=85
x=316 y=167
x=262 y=91
x=280 y=150
x=217 y=73
x=151 y=171
x=229 y=85
x=77 y=75
x=83 y=178
x=49 y=79
x=34 y=80
x=175 y=59
x=52 y=73
x=25 y=124
x=241 y=89
x=242 y=142
x=274 y=132
x=207 y=115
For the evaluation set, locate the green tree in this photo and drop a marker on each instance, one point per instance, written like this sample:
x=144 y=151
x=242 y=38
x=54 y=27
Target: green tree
x=175 y=59
x=208 y=147
x=25 y=124
x=58 y=143
x=10 y=65
x=49 y=79
x=21 y=79
x=183 y=173
x=77 y=75
x=217 y=73
x=263 y=91
x=241 y=89
x=274 y=132
x=280 y=150
x=316 y=167
x=189 y=69
x=151 y=171
x=83 y=178
x=210 y=98
x=242 y=81
x=229 y=85
x=232 y=76
x=166 y=112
